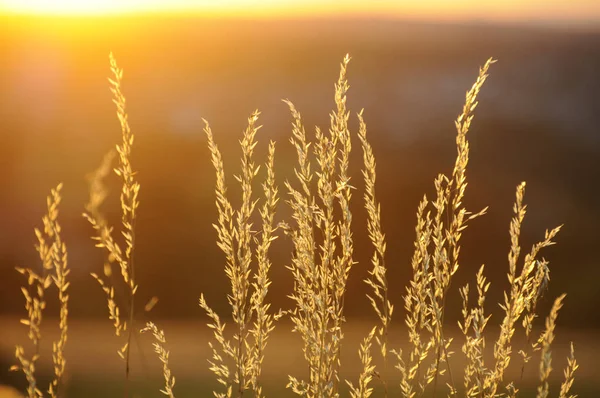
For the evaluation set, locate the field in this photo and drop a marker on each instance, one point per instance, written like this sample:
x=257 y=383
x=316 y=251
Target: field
x=102 y=376
x=302 y=227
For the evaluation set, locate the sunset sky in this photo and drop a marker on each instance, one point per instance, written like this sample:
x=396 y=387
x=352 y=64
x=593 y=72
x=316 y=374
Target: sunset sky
x=510 y=10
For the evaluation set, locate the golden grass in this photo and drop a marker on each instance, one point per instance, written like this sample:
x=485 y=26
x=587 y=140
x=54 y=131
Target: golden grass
x=320 y=229
x=163 y=355
x=104 y=236
x=321 y=271
x=250 y=311
x=53 y=255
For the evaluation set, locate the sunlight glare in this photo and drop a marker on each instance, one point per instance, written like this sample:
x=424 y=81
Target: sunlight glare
x=73 y=7
x=438 y=9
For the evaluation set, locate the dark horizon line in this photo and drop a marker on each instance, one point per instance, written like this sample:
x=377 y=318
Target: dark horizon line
x=553 y=25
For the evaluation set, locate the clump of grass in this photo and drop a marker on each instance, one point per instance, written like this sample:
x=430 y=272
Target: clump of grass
x=252 y=319
x=525 y=290
x=434 y=263
x=104 y=232
x=53 y=255
x=321 y=233
x=124 y=259
x=321 y=270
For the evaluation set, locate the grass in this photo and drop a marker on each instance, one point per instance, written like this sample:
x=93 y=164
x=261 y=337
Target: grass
x=320 y=227
x=53 y=256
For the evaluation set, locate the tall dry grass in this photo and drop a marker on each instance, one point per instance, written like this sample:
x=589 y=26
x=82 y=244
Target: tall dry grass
x=320 y=229
x=237 y=363
x=54 y=272
x=104 y=233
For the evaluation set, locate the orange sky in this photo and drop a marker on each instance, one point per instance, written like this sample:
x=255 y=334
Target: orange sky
x=429 y=9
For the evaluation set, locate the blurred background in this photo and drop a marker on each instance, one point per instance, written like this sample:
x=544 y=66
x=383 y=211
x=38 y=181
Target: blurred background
x=538 y=121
